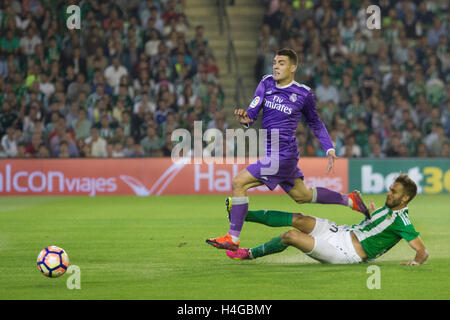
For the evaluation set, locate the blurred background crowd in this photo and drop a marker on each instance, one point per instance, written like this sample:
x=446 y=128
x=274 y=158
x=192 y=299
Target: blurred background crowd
x=115 y=88
x=131 y=75
x=381 y=93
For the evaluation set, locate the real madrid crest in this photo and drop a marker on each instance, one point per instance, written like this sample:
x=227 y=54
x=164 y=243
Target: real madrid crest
x=293 y=97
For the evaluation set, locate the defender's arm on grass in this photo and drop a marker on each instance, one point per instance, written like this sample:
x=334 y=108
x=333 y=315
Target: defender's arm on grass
x=372 y=206
x=421 y=252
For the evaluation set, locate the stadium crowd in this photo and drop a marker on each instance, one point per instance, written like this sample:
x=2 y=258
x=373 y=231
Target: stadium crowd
x=116 y=87
x=119 y=85
x=381 y=93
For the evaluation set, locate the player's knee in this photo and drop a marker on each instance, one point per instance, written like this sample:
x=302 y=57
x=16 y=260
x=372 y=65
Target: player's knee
x=303 y=196
x=240 y=183
x=289 y=236
x=237 y=184
x=297 y=219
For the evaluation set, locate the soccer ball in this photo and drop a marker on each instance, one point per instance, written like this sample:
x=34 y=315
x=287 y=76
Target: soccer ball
x=52 y=262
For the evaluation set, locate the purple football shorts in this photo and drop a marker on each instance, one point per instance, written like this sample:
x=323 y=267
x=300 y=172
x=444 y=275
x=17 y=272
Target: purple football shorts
x=285 y=176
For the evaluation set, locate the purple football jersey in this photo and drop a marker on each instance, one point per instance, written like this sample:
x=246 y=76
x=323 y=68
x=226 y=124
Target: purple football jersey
x=283 y=108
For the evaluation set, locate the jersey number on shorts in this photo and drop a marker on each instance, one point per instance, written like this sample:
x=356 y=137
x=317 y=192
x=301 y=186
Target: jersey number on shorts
x=334 y=228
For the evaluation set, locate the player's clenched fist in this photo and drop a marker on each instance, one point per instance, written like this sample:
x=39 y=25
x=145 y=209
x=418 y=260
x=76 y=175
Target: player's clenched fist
x=241 y=116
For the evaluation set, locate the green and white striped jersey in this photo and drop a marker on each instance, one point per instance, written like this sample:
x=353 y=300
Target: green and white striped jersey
x=384 y=230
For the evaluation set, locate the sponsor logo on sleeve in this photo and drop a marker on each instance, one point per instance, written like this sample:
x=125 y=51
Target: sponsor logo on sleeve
x=255 y=102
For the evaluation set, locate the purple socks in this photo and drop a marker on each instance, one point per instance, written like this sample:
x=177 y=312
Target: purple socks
x=327 y=196
x=238 y=213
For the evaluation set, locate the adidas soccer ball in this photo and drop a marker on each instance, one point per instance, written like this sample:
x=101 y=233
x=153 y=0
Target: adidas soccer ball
x=52 y=262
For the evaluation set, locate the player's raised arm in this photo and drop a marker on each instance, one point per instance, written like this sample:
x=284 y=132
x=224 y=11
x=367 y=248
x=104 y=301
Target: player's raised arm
x=421 y=252
x=256 y=104
x=320 y=131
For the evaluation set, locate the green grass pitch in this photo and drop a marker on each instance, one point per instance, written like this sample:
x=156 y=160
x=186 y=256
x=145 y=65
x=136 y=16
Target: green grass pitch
x=154 y=248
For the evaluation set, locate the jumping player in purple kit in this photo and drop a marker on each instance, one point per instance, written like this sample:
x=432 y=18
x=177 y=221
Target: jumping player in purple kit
x=283 y=101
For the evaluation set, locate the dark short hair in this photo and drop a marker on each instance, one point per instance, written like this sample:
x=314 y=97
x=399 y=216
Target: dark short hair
x=293 y=58
x=409 y=186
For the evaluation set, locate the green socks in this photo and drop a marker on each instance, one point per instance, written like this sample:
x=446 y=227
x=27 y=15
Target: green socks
x=270 y=218
x=273 y=246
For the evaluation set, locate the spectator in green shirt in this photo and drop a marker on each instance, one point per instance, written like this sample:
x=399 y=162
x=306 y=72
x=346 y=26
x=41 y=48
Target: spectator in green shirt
x=8 y=117
x=53 y=51
x=151 y=142
x=354 y=111
x=81 y=126
x=9 y=43
x=362 y=137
